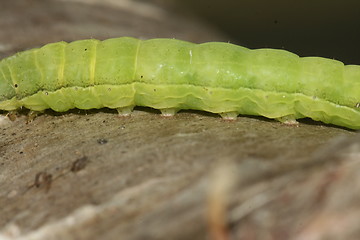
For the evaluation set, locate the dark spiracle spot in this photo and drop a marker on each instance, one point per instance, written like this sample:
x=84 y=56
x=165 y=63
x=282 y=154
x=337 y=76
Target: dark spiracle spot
x=141 y=76
x=85 y=49
x=102 y=141
x=15 y=85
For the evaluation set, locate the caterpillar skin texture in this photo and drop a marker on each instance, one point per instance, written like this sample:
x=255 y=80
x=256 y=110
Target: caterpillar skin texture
x=170 y=75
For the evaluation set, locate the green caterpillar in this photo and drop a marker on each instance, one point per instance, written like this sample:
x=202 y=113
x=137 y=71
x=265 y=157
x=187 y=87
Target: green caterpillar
x=171 y=75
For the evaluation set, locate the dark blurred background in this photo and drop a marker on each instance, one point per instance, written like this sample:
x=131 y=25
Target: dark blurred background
x=307 y=27
x=326 y=28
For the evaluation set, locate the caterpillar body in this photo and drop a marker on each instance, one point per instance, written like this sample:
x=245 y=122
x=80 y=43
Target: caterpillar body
x=171 y=75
